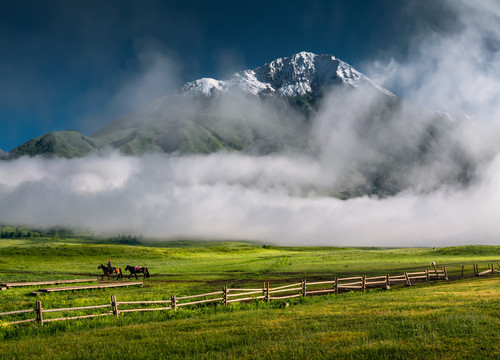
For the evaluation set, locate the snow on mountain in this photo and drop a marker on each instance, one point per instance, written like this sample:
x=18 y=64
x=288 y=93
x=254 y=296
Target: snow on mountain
x=300 y=74
x=203 y=86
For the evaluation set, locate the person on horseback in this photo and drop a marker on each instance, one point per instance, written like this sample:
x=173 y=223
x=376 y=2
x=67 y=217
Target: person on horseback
x=110 y=267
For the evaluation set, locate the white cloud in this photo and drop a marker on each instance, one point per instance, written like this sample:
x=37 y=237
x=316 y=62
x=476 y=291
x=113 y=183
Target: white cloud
x=242 y=197
x=456 y=71
x=156 y=75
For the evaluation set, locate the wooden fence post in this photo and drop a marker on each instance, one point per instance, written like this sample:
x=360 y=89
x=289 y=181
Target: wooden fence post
x=114 y=305
x=336 y=285
x=476 y=269
x=492 y=271
x=408 y=283
x=267 y=293
x=387 y=281
x=39 y=312
x=427 y=276
x=224 y=296
x=436 y=271
x=173 y=302
x=363 y=283
x=304 y=289
x=264 y=291
x=445 y=273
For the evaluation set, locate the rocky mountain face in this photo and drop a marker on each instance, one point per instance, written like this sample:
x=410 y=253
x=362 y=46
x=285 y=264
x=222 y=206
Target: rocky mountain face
x=310 y=104
x=303 y=74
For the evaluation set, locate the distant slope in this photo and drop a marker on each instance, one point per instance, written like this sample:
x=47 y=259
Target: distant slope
x=69 y=144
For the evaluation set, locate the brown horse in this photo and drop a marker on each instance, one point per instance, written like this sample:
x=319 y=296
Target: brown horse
x=134 y=270
x=107 y=272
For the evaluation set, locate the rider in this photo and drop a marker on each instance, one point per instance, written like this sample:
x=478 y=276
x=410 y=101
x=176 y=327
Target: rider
x=109 y=265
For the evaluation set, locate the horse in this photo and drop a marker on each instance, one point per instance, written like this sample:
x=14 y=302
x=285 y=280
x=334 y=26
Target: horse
x=134 y=270
x=114 y=270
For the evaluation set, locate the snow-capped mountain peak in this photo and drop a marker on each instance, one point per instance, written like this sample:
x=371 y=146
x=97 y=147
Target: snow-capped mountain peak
x=300 y=74
x=203 y=86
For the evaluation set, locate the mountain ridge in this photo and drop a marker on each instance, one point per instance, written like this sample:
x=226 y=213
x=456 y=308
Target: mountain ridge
x=311 y=104
x=297 y=75
x=300 y=79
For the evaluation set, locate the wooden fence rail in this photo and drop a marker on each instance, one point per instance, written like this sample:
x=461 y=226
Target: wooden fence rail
x=287 y=286
x=273 y=291
x=18 y=312
x=36 y=283
x=228 y=295
x=89 y=287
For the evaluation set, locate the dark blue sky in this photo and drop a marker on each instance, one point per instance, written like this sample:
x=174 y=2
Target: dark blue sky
x=72 y=64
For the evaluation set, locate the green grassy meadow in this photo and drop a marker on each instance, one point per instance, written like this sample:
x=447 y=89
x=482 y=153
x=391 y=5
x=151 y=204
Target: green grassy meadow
x=446 y=320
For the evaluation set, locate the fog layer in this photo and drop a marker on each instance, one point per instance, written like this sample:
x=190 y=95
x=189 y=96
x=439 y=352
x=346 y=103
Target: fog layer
x=230 y=196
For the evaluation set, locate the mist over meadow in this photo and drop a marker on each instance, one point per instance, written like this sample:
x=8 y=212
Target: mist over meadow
x=287 y=197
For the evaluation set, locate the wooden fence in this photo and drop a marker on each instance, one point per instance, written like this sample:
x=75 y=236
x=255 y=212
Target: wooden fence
x=266 y=294
x=5 y=286
x=113 y=285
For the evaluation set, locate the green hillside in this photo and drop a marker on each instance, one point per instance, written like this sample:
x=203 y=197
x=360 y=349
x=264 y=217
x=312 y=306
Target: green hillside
x=67 y=144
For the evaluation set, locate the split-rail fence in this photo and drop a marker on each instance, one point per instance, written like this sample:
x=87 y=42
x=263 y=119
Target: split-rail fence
x=266 y=294
x=5 y=286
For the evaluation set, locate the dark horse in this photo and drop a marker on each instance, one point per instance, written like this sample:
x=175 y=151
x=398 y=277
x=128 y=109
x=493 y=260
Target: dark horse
x=134 y=270
x=114 y=270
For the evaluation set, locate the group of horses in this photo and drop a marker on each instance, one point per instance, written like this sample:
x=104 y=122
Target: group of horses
x=134 y=270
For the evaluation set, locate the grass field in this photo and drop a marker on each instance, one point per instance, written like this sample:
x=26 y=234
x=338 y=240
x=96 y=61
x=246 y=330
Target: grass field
x=447 y=320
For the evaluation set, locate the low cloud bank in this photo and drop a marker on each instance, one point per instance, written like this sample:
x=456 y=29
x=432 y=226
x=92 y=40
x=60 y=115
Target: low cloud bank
x=235 y=196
